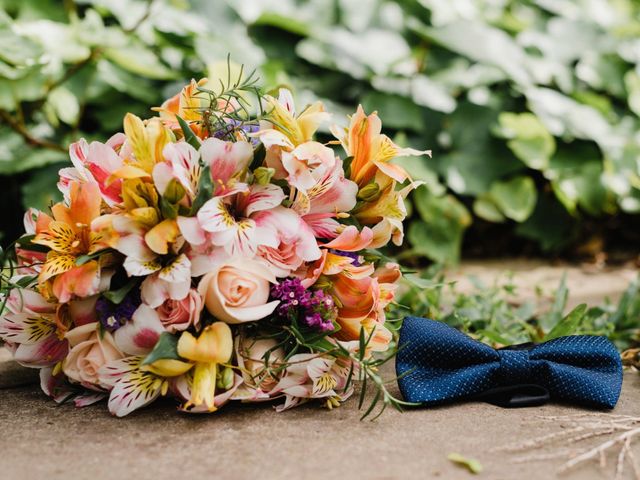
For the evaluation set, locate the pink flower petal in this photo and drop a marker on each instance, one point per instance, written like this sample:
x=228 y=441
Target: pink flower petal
x=261 y=197
x=132 y=387
x=351 y=239
x=225 y=159
x=139 y=335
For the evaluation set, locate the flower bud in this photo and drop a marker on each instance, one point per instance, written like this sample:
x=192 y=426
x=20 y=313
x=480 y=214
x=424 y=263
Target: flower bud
x=225 y=379
x=263 y=175
x=369 y=193
x=174 y=191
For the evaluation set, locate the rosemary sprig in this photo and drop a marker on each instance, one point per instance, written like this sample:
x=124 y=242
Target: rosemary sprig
x=228 y=114
x=368 y=372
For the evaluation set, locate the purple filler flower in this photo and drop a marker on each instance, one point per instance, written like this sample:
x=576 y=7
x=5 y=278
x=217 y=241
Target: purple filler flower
x=233 y=125
x=114 y=315
x=314 y=309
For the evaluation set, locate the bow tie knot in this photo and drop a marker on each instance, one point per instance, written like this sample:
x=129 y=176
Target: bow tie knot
x=437 y=364
x=515 y=365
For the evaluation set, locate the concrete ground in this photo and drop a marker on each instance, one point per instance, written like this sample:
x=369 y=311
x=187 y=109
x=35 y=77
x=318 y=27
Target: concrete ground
x=40 y=440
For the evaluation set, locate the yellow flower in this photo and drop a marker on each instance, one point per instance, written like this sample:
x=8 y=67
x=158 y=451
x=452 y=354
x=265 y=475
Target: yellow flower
x=212 y=347
x=386 y=211
x=298 y=128
x=146 y=141
x=167 y=367
x=160 y=236
x=140 y=200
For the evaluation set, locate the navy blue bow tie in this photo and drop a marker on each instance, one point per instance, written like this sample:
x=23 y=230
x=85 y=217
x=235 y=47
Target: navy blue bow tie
x=438 y=364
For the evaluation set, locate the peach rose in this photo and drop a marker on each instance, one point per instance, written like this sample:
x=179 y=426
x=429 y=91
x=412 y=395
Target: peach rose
x=238 y=291
x=90 y=350
x=178 y=315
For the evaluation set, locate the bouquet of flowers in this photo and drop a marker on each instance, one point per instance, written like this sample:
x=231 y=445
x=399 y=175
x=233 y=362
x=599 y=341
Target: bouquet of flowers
x=213 y=252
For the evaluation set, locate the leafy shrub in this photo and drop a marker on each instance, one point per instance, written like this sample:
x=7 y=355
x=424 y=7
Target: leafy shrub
x=531 y=107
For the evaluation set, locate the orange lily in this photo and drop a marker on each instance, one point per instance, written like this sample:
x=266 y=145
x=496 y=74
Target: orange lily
x=69 y=236
x=188 y=104
x=370 y=149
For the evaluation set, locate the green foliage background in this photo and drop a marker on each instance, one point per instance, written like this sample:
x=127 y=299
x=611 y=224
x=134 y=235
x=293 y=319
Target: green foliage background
x=530 y=107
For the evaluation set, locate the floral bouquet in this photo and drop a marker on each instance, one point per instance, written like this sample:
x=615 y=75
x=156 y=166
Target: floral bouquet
x=214 y=252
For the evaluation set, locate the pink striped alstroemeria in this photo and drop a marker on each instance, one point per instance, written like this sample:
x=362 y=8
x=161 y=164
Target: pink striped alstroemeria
x=230 y=220
x=34 y=329
x=296 y=242
x=95 y=162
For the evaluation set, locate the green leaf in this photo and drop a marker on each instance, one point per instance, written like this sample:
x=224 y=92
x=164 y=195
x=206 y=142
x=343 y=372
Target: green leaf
x=439 y=234
x=116 y=296
x=168 y=209
x=17 y=50
x=174 y=191
x=564 y=116
x=516 y=198
x=41 y=189
x=26 y=242
x=529 y=140
x=424 y=91
x=550 y=225
x=419 y=282
x=282 y=22
x=632 y=84
x=138 y=59
x=65 y=105
x=484 y=207
x=27 y=281
x=189 y=136
x=576 y=176
x=569 y=324
x=263 y=175
x=82 y=259
x=476 y=159
x=474 y=466
x=481 y=43
x=395 y=111
x=205 y=190
x=126 y=82
x=357 y=54
x=170 y=200
x=495 y=337
x=16 y=157
x=165 y=348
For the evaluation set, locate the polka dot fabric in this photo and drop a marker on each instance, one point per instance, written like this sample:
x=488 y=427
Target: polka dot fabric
x=438 y=364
